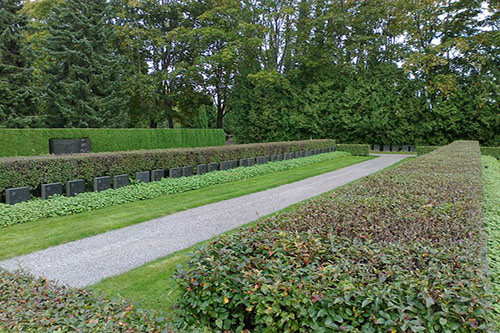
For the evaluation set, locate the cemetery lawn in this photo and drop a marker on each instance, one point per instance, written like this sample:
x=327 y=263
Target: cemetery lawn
x=25 y=238
x=151 y=285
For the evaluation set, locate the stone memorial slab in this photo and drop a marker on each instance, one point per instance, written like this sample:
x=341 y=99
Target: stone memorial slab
x=234 y=164
x=387 y=148
x=201 y=169
x=74 y=187
x=376 y=147
x=157 y=175
x=120 y=181
x=143 y=176
x=405 y=148
x=17 y=195
x=244 y=162
x=175 y=172
x=102 y=183
x=395 y=148
x=251 y=161
x=309 y=153
x=281 y=157
x=49 y=190
x=261 y=159
x=70 y=146
x=225 y=165
x=412 y=149
x=187 y=171
x=296 y=154
x=212 y=167
x=274 y=158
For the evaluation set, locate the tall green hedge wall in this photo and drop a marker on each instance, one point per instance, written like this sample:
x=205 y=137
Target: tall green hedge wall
x=33 y=171
x=32 y=142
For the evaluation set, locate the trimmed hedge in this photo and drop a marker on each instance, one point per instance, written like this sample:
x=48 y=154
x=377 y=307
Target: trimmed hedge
x=32 y=142
x=491 y=151
x=33 y=171
x=30 y=304
x=491 y=179
x=61 y=206
x=421 y=150
x=355 y=149
x=402 y=250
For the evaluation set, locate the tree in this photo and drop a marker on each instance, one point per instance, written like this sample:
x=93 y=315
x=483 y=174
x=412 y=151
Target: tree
x=84 y=74
x=18 y=92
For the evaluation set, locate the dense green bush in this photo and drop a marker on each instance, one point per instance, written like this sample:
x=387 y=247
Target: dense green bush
x=32 y=142
x=491 y=151
x=401 y=250
x=491 y=179
x=33 y=171
x=60 y=206
x=355 y=149
x=29 y=304
x=421 y=150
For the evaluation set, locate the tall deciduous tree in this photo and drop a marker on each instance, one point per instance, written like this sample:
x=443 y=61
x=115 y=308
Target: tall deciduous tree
x=84 y=75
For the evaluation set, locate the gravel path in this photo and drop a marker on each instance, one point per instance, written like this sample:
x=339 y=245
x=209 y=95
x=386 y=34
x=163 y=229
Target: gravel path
x=88 y=261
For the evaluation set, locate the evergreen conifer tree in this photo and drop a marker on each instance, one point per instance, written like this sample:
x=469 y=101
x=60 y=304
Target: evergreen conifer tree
x=84 y=75
x=18 y=107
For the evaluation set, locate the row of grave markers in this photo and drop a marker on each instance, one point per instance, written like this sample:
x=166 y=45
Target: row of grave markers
x=74 y=187
x=393 y=148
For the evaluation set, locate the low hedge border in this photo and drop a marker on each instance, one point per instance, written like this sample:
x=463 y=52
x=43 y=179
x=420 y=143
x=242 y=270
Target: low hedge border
x=422 y=150
x=61 y=206
x=35 y=141
x=34 y=171
x=355 y=149
x=31 y=304
x=402 y=250
x=491 y=180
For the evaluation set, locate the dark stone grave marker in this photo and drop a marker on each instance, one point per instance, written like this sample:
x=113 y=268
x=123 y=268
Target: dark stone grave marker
x=405 y=148
x=74 y=187
x=251 y=161
x=234 y=164
x=143 y=176
x=157 y=175
x=412 y=149
x=395 y=148
x=212 y=167
x=387 y=148
x=102 y=183
x=69 y=146
x=376 y=147
x=120 y=181
x=244 y=162
x=261 y=160
x=201 y=169
x=49 y=190
x=187 y=171
x=17 y=195
x=175 y=172
x=274 y=158
x=281 y=157
x=225 y=165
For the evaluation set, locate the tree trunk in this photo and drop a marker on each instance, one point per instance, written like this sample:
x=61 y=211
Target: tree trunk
x=220 y=115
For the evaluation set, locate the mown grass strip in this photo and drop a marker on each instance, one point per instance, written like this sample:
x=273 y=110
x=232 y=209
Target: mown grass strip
x=491 y=181
x=29 y=237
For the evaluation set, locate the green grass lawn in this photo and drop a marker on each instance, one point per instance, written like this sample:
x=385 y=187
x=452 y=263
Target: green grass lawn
x=25 y=238
x=151 y=285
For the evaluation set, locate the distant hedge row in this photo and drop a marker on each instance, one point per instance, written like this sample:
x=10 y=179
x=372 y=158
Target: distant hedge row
x=33 y=171
x=33 y=142
x=355 y=149
x=399 y=251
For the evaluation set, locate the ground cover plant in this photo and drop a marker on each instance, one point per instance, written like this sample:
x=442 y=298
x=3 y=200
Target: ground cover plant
x=35 y=304
x=491 y=179
x=62 y=206
x=33 y=171
x=399 y=251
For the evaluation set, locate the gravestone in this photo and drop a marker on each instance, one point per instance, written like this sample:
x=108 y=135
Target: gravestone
x=289 y=156
x=102 y=183
x=187 y=171
x=274 y=158
x=120 y=181
x=175 y=172
x=412 y=149
x=69 y=146
x=261 y=159
x=234 y=164
x=281 y=157
x=49 y=190
x=17 y=195
x=251 y=161
x=74 y=187
x=201 y=169
x=405 y=148
x=395 y=148
x=387 y=148
x=296 y=154
x=376 y=147
x=143 y=176
x=225 y=165
x=157 y=175
x=212 y=167
x=244 y=162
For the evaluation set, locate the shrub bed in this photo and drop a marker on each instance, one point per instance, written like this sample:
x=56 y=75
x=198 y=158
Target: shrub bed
x=355 y=149
x=401 y=250
x=421 y=150
x=61 y=206
x=31 y=304
x=33 y=171
x=491 y=178
x=32 y=142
